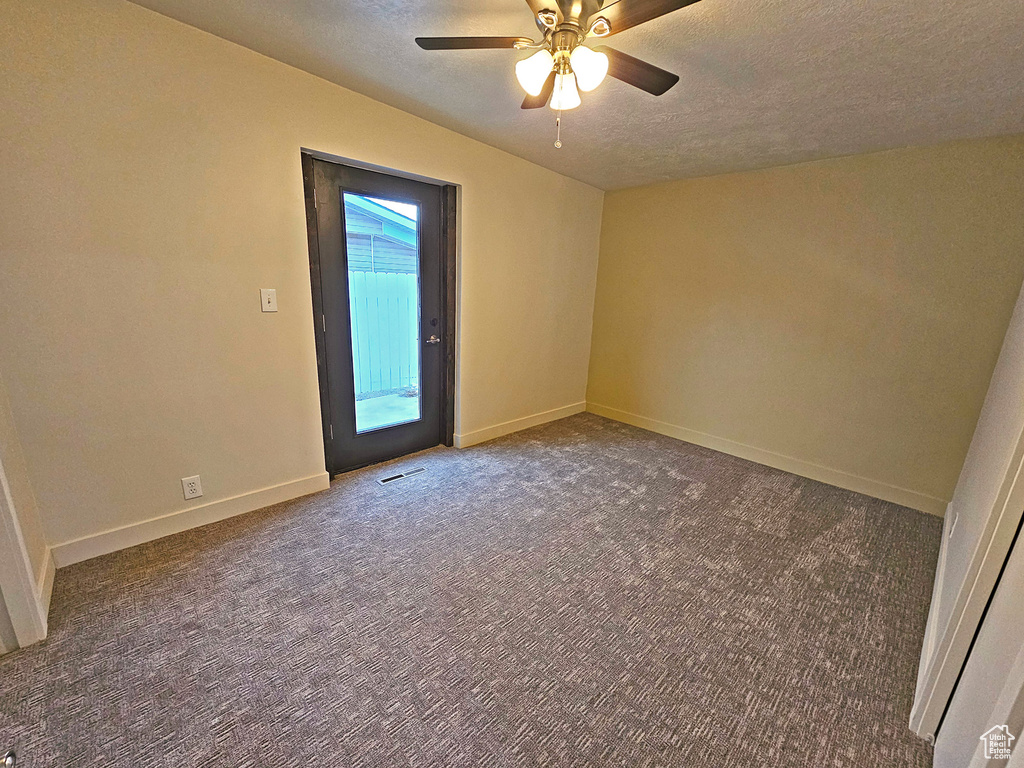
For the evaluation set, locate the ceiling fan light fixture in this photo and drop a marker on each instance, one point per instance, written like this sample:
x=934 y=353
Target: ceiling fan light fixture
x=590 y=67
x=565 y=95
x=532 y=72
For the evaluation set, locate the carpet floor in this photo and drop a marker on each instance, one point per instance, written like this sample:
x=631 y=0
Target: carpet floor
x=583 y=593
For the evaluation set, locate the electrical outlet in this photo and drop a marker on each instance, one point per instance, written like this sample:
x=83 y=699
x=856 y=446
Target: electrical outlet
x=192 y=487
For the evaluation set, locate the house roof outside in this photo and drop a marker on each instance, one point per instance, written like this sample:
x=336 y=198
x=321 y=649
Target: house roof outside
x=379 y=238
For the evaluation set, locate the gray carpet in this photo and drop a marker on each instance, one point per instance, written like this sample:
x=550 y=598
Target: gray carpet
x=579 y=594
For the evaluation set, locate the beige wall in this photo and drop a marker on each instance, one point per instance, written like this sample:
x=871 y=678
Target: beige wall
x=151 y=185
x=839 y=318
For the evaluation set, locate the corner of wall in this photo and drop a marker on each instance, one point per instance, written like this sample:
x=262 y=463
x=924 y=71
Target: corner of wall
x=44 y=586
x=905 y=497
x=593 y=297
x=478 y=436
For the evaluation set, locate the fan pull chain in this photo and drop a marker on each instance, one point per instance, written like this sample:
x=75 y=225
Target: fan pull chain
x=558 y=130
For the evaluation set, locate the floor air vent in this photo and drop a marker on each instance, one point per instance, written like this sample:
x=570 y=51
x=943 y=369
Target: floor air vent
x=393 y=478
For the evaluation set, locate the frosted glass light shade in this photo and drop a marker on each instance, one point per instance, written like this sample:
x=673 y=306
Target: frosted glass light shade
x=565 y=95
x=590 y=67
x=532 y=72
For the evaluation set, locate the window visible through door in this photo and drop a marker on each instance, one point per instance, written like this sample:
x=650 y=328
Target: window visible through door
x=384 y=310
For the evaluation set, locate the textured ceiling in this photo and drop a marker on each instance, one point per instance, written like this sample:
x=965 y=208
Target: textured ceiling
x=763 y=82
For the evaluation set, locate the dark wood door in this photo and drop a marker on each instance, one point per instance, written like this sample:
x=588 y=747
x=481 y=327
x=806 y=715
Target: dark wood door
x=378 y=261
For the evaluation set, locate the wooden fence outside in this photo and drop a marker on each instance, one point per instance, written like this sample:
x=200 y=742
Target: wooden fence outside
x=384 y=308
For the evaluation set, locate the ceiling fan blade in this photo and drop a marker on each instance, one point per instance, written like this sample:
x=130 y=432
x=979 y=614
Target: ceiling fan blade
x=541 y=99
x=467 y=43
x=644 y=76
x=623 y=14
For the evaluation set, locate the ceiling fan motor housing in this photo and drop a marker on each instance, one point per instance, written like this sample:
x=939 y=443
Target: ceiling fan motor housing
x=563 y=41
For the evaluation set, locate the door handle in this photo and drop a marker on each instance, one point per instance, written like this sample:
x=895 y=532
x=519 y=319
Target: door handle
x=432 y=340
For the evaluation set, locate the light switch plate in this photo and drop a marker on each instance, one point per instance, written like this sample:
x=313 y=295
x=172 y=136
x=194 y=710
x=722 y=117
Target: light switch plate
x=268 y=299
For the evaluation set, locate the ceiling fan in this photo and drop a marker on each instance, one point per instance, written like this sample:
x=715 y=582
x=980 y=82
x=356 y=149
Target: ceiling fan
x=562 y=65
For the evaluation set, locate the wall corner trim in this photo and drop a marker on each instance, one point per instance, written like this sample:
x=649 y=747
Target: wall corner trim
x=467 y=439
x=87 y=547
x=879 y=490
x=44 y=586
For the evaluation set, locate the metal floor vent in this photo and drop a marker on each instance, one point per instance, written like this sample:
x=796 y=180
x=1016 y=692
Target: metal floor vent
x=393 y=478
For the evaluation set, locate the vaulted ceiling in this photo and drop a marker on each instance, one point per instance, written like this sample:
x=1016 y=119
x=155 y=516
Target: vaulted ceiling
x=763 y=82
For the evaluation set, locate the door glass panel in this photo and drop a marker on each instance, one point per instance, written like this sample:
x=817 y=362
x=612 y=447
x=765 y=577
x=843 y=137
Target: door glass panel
x=384 y=307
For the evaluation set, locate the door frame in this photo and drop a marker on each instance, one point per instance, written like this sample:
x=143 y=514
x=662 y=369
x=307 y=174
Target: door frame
x=449 y=277
x=947 y=649
x=19 y=588
x=963 y=602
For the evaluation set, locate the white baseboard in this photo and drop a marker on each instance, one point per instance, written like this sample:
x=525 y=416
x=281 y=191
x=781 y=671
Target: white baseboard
x=106 y=542
x=498 y=430
x=902 y=496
